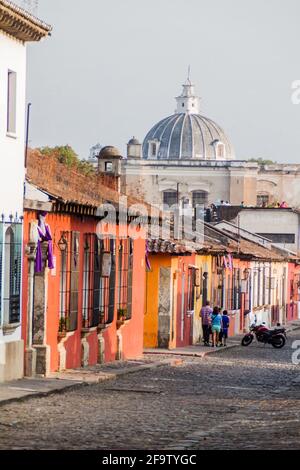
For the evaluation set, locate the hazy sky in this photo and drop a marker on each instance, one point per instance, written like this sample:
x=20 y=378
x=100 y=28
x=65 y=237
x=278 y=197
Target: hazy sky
x=112 y=68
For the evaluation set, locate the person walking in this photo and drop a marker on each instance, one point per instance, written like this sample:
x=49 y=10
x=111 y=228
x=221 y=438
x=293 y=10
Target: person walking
x=206 y=313
x=216 y=324
x=225 y=328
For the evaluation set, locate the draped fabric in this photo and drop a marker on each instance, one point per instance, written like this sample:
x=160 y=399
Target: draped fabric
x=44 y=233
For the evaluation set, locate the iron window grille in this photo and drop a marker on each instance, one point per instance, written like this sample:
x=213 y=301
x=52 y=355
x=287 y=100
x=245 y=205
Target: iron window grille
x=200 y=198
x=170 y=198
x=204 y=288
x=218 y=290
x=98 y=282
x=191 y=289
x=125 y=273
x=69 y=282
x=10 y=272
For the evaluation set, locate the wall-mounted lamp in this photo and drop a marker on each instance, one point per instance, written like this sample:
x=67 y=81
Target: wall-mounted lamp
x=63 y=243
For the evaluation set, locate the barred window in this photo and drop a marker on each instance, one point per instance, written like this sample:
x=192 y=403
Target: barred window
x=10 y=269
x=200 y=198
x=263 y=200
x=204 y=288
x=170 y=198
x=69 y=282
x=237 y=289
x=218 y=290
x=125 y=278
x=98 y=281
x=191 y=289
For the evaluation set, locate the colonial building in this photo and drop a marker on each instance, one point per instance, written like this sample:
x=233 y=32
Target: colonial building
x=17 y=28
x=84 y=277
x=189 y=158
x=234 y=269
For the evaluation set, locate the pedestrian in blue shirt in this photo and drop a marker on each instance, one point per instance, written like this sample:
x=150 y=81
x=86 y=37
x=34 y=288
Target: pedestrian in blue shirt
x=216 y=325
x=225 y=328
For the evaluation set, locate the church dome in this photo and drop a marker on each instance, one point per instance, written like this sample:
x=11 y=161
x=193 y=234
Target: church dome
x=134 y=141
x=109 y=152
x=187 y=134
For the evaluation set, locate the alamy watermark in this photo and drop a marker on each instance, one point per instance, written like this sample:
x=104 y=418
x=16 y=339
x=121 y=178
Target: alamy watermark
x=142 y=221
x=296 y=92
x=296 y=354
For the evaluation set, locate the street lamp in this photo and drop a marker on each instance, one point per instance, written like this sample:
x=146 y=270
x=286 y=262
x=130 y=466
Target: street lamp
x=63 y=243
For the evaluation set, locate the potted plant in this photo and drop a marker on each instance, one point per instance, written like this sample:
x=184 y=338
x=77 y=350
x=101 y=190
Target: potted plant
x=122 y=316
x=101 y=317
x=63 y=327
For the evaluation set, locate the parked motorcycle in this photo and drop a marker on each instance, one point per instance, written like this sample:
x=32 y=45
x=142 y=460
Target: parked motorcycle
x=277 y=337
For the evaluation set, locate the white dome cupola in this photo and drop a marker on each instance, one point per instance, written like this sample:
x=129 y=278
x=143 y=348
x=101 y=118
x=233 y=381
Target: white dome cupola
x=188 y=101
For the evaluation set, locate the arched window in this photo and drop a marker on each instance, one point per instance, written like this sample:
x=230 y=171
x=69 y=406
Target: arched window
x=263 y=200
x=170 y=198
x=153 y=150
x=12 y=274
x=108 y=167
x=200 y=198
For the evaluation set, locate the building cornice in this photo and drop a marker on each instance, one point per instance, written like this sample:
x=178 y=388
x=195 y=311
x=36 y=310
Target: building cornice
x=20 y=24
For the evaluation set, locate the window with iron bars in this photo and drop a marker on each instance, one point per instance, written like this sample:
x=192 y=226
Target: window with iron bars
x=170 y=198
x=10 y=272
x=295 y=288
x=191 y=289
x=233 y=297
x=218 y=289
x=125 y=273
x=69 y=282
x=98 y=281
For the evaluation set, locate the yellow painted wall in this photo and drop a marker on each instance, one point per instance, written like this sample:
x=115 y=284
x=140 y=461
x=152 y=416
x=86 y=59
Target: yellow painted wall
x=174 y=300
x=152 y=298
x=204 y=263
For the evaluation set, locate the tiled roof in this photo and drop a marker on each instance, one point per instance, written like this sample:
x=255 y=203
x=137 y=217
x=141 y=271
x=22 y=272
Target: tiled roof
x=72 y=187
x=21 y=24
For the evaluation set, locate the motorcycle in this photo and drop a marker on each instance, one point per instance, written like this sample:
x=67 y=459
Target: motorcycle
x=277 y=337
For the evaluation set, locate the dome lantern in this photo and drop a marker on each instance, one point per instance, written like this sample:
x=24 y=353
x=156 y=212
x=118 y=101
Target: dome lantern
x=188 y=101
x=134 y=148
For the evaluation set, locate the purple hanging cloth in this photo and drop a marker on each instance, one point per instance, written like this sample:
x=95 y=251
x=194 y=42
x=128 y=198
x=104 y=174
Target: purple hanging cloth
x=148 y=264
x=44 y=236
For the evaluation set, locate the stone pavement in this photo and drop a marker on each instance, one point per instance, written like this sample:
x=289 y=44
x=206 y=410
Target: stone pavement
x=244 y=398
x=23 y=389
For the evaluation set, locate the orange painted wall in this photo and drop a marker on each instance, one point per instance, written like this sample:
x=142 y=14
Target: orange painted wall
x=132 y=332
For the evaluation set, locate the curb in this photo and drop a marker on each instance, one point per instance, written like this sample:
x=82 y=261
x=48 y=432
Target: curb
x=85 y=383
x=192 y=354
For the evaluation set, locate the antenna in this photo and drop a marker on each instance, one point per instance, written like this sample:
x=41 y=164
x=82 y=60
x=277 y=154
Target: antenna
x=31 y=6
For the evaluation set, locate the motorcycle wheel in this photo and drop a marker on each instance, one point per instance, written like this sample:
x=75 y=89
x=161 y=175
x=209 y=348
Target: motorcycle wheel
x=278 y=342
x=247 y=340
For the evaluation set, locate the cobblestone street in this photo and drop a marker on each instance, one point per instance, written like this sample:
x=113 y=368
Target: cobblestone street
x=241 y=398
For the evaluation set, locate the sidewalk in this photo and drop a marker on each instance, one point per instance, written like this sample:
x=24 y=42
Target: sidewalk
x=61 y=382
x=193 y=351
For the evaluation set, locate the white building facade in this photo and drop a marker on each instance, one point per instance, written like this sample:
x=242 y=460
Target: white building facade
x=17 y=27
x=188 y=157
